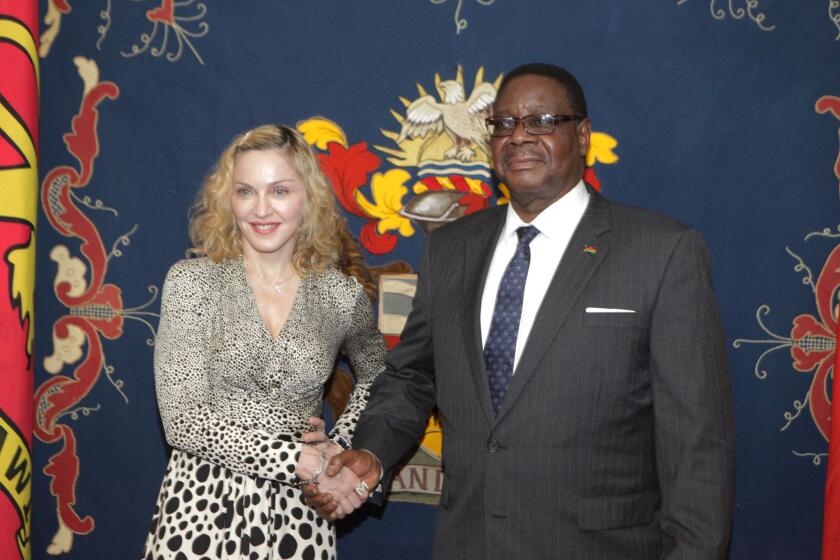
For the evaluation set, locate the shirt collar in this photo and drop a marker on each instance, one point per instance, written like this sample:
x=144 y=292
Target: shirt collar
x=555 y=219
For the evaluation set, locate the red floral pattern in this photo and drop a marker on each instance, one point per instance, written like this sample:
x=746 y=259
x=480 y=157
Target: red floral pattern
x=814 y=338
x=348 y=170
x=96 y=312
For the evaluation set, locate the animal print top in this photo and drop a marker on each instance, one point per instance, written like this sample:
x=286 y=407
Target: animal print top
x=230 y=393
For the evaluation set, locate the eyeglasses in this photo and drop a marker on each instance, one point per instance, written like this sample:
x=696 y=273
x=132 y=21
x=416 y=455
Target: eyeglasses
x=534 y=124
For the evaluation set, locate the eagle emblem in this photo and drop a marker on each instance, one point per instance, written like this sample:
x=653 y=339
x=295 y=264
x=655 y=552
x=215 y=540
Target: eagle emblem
x=461 y=119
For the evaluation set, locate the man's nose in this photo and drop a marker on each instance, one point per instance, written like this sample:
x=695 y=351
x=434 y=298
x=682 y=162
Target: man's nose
x=520 y=135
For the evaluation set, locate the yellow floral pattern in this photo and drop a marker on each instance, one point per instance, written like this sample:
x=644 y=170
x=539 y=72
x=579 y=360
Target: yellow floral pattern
x=505 y=196
x=388 y=190
x=320 y=131
x=601 y=147
x=432 y=441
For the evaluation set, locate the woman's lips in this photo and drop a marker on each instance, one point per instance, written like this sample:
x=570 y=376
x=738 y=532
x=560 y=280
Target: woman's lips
x=264 y=229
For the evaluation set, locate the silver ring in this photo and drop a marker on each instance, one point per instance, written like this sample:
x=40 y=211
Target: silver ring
x=361 y=489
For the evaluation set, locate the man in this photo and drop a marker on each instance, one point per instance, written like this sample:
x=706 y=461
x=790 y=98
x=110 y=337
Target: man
x=586 y=415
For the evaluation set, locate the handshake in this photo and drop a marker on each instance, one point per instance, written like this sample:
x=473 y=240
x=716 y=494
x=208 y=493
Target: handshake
x=336 y=482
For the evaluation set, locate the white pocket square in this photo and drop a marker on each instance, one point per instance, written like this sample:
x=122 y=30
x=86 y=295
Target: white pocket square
x=608 y=310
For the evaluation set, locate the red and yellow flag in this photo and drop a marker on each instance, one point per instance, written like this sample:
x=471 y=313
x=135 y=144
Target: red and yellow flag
x=19 y=77
x=831 y=517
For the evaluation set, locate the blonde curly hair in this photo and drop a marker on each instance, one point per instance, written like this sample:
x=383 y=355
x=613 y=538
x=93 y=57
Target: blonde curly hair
x=323 y=239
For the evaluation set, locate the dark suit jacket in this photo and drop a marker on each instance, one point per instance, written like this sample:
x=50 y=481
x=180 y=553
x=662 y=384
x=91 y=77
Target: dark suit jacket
x=615 y=438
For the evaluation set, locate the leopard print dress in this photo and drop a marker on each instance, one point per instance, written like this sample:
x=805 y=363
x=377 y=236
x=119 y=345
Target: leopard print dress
x=234 y=402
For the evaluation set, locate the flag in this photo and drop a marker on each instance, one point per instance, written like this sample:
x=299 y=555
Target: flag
x=831 y=515
x=19 y=78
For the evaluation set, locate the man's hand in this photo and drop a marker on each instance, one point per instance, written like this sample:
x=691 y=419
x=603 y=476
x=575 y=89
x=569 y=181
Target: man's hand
x=363 y=465
x=344 y=490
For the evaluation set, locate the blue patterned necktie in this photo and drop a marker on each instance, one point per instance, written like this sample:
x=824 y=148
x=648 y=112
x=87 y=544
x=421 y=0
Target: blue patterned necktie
x=500 y=347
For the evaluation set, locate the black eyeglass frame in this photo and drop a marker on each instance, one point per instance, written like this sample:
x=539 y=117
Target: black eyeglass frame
x=558 y=118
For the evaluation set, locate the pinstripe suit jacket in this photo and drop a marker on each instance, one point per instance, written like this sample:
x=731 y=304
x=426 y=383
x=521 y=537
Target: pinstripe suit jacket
x=615 y=438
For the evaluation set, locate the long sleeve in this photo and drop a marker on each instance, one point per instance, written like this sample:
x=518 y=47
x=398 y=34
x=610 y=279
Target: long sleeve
x=191 y=423
x=692 y=408
x=403 y=396
x=365 y=347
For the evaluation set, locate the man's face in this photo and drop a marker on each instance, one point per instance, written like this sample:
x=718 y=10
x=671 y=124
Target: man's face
x=544 y=166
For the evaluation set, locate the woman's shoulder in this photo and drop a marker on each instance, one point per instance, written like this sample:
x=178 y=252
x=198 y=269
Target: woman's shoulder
x=192 y=265
x=196 y=271
x=338 y=284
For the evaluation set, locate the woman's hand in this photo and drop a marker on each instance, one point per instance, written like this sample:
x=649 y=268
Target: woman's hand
x=345 y=488
x=337 y=502
x=318 y=433
x=309 y=463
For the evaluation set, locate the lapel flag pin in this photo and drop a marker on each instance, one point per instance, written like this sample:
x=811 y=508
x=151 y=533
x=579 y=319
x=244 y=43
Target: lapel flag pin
x=590 y=249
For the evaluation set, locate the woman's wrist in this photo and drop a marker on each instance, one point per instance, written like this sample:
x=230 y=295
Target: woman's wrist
x=311 y=463
x=329 y=447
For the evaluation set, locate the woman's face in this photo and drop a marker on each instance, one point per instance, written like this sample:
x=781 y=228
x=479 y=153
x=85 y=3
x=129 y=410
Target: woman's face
x=267 y=200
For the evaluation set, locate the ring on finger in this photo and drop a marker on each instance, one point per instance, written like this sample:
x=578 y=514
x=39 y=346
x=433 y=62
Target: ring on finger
x=362 y=489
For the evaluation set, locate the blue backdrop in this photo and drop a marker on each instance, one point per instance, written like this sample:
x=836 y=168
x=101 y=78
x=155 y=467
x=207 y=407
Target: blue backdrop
x=719 y=113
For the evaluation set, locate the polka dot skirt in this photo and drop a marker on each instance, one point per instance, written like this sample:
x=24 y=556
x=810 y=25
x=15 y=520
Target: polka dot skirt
x=234 y=402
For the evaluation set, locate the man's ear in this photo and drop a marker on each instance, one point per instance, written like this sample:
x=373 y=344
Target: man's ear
x=584 y=131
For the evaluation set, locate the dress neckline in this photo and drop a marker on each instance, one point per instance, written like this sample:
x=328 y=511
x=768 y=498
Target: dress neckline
x=243 y=278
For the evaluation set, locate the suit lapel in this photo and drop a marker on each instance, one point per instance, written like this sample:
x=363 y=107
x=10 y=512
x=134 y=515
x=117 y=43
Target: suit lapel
x=478 y=253
x=572 y=274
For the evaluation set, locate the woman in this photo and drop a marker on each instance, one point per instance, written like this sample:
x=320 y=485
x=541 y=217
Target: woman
x=248 y=337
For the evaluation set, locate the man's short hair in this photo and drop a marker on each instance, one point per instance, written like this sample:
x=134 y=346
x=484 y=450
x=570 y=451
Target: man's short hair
x=577 y=100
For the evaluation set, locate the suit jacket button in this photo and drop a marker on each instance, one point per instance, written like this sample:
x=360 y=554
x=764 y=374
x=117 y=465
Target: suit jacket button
x=493 y=446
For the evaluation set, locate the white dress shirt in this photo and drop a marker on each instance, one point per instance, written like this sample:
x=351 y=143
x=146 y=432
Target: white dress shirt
x=556 y=224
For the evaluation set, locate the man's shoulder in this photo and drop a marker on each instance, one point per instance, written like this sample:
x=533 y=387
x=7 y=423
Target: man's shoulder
x=471 y=223
x=629 y=219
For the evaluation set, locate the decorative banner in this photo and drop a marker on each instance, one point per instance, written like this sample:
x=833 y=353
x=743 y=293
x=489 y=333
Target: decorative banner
x=831 y=104
x=95 y=309
x=174 y=27
x=18 y=206
x=461 y=23
x=831 y=517
x=811 y=342
x=181 y=20
x=812 y=339
x=748 y=8
x=391 y=96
